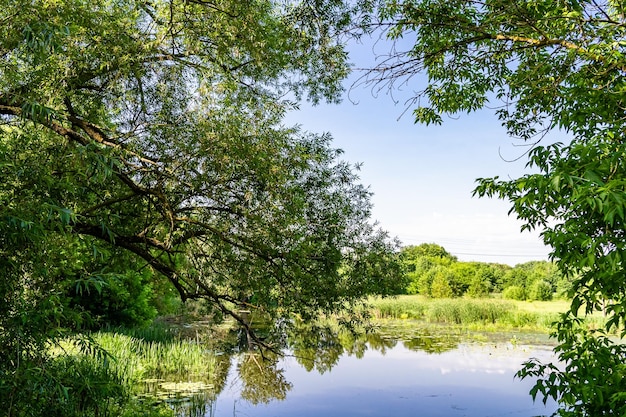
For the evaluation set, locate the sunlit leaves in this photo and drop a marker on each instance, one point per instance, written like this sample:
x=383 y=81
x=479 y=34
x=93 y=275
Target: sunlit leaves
x=545 y=66
x=590 y=382
x=156 y=128
x=143 y=141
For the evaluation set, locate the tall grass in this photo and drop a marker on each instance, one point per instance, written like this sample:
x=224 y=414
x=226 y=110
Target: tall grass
x=137 y=359
x=475 y=313
x=468 y=311
x=145 y=372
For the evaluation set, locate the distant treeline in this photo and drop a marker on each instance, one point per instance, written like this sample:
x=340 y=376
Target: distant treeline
x=432 y=271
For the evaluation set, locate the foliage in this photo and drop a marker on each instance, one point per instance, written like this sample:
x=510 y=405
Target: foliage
x=426 y=250
x=418 y=261
x=514 y=292
x=544 y=65
x=481 y=283
x=540 y=291
x=440 y=286
x=122 y=300
x=592 y=381
x=154 y=135
x=429 y=266
x=142 y=142
x=85 y=382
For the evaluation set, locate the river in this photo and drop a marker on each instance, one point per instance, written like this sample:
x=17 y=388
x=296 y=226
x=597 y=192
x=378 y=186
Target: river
x=425 y=375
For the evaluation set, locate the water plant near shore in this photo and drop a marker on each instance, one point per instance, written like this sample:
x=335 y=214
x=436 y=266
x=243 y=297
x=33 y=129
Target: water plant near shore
x=148 y=372
x=485 y=313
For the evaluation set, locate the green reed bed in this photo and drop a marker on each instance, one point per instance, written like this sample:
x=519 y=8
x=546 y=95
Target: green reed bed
x=151 y=372
x=468 y=311
x=473 y=313
x=139 y=359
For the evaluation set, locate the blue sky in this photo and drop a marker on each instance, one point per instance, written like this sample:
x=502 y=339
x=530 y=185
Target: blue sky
x=422 y=177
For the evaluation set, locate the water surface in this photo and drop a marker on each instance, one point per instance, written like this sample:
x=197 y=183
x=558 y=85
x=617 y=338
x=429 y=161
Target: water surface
x=419 y=376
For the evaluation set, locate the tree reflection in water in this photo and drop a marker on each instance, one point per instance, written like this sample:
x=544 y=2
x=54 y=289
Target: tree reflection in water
x=319 y=348
x=260 y=377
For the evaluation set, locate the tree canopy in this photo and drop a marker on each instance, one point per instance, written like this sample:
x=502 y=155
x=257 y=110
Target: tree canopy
x=534 y=280
x=544 y=66
x=152 y=130
x=142 y=148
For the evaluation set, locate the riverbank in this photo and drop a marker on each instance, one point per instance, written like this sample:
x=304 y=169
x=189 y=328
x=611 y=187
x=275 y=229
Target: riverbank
x=489 y=314
x=179 y=365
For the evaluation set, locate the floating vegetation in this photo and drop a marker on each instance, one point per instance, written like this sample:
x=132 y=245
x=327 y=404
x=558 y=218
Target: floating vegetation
x=184 y=398
x=156 y=367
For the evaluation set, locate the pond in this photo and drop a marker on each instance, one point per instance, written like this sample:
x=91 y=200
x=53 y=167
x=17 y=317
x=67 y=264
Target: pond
x=424 y=372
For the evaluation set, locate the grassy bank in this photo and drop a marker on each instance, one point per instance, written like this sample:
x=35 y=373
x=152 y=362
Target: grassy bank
x=479 y=314
x=150 y=372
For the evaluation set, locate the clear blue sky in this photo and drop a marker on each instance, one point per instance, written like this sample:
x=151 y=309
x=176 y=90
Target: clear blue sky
x=422 y=177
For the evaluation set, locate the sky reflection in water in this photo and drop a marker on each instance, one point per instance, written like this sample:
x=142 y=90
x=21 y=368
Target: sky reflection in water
x=473 y=380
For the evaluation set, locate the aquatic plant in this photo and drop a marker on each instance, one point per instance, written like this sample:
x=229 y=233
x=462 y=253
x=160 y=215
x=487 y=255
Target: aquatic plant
x=485 y=313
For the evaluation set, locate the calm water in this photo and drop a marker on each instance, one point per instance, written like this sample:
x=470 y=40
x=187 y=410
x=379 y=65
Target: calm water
x=427 y=376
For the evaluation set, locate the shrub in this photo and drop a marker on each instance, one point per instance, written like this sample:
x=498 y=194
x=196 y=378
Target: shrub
x=479 y=286
x=119 y=300
x=440 y=288
x=514 y=292
x=540 y=291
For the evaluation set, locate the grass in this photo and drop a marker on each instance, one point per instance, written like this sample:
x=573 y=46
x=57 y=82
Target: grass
x=175 y=359
x=477 y=314
x=169 y=374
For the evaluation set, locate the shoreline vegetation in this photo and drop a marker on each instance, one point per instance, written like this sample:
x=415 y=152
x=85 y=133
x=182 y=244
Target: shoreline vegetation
x=480 y=314
x=175 y=367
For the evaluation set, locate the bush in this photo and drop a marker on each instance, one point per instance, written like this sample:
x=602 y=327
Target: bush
x=440 y=287
x=117 y=300
x=540 y=291
x=514 y=293
x=479 y=287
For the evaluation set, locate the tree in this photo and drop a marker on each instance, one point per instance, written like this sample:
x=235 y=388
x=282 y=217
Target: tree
x=427 y=250
x=440 y=278
x=480 y=284
x=544 y=65
x=540 y=290
x=515 y=292
x=150 y=132
x=418 y=261
x=155 y=128
x=516 y=277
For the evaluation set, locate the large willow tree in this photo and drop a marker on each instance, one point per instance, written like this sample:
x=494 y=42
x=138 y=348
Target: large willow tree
x=145 y=137
x=544 y=66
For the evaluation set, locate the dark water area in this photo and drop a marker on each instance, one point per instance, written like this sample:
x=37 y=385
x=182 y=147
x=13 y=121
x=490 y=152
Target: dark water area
x=424 y=375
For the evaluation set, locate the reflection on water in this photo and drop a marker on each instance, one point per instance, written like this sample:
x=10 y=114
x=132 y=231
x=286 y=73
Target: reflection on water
x=404 y=371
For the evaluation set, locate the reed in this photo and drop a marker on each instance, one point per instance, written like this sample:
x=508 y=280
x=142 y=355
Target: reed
x=481 y=314
x=136 y=359
x=456 y=311
x=150 y=372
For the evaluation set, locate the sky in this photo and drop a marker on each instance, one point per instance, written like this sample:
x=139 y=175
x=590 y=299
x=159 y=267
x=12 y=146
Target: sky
x=422 y=177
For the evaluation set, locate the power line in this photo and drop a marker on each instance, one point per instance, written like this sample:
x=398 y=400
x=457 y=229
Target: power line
x=514 y=248
x=520 y=255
